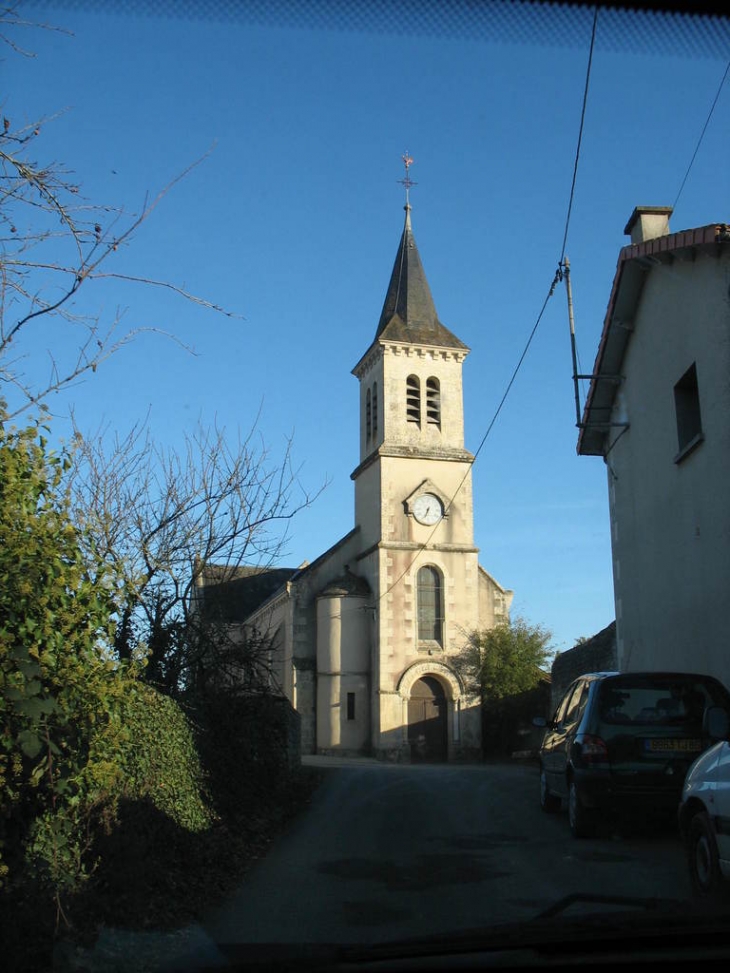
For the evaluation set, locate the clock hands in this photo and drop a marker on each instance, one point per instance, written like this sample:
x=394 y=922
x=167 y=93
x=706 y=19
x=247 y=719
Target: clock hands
x=427 y=509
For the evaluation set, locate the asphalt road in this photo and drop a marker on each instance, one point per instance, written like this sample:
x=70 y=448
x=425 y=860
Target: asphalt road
x=391 y=852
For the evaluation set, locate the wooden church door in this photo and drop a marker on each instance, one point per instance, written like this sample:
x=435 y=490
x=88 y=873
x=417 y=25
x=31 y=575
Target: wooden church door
x=427 y=721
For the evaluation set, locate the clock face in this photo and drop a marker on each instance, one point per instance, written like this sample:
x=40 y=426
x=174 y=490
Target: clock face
x=427 y=509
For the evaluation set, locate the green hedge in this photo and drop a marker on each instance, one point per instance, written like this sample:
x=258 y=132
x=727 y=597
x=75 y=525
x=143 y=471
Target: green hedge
x=159 y=757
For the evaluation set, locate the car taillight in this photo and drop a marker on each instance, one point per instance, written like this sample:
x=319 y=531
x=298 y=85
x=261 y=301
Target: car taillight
x=591 y=749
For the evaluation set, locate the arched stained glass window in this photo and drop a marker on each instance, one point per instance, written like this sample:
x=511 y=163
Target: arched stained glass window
x=368 y=415
x=430 y=605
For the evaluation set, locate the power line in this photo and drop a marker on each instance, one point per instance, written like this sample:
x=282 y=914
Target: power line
x=558 y=277
x=702 y=135
x=562 y=262
x=580 y=133
x=507 y=390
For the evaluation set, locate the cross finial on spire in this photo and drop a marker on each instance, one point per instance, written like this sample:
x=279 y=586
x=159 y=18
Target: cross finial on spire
x=407 y=181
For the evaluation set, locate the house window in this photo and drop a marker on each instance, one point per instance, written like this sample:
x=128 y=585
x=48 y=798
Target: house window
x=413 y=399
x=430 y=605
x=433 y=402
x=687 y=407
x=351 y=706
x=375 y=408
x=368 y=415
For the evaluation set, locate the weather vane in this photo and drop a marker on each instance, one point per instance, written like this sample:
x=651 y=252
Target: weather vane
x=407 y=181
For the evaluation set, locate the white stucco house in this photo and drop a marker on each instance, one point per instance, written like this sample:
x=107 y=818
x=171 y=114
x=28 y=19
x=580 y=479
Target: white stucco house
x=364 y=635
x=658 y=412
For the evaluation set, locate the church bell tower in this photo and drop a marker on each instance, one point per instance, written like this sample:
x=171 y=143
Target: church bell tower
x=413 y=501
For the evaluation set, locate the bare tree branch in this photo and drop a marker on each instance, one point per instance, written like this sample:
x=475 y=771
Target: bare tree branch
x=160 y=516
x=53 y=243
x=9 y=18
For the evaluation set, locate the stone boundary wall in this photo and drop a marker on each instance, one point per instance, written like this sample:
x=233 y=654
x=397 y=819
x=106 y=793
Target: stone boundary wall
x=507 y=728
x=597 y=654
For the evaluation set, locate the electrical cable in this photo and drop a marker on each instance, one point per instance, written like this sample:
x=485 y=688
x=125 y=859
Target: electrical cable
x=580 y=133
x=558 y=277
x=507 y=390
x=561 y=264
x=702 y=135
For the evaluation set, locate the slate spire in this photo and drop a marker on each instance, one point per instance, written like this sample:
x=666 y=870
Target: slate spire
x=409 y=314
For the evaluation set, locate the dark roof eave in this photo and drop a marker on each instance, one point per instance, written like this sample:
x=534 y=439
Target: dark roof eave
x=300 y=572
x=430 y=336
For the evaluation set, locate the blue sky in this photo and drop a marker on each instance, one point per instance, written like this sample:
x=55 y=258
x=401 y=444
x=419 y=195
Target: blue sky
x=293 y=218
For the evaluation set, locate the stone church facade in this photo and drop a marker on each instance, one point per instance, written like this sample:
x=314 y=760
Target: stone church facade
x=363 y=637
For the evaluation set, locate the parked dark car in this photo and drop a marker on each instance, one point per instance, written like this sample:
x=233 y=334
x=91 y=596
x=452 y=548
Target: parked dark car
x=621 y=743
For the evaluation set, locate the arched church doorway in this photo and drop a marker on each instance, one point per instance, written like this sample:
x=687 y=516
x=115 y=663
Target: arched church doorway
x=427 y=727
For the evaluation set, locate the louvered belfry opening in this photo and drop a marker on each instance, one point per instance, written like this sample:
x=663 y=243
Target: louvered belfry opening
x=413 y=399
x=433 y=402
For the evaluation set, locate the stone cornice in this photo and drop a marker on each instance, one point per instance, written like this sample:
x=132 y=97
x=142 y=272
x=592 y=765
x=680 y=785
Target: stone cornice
x=380 y=348
x=339 y=672
x=425 y=351
x=413 y=452
x=413 y=546
x=374 y=352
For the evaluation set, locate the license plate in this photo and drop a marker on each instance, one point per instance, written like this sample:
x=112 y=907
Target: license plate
x=667 y=745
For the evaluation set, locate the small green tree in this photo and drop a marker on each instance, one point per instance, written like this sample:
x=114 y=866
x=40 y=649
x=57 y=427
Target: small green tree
x=505 y=660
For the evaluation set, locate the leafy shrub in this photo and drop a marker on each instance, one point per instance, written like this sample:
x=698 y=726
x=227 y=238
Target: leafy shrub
x=56 y=685
x=78 y=730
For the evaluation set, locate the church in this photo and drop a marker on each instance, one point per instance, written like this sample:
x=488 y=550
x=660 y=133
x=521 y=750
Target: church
x=363 y=637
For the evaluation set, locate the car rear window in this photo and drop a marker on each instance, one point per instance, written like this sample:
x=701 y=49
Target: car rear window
x=666 y=700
